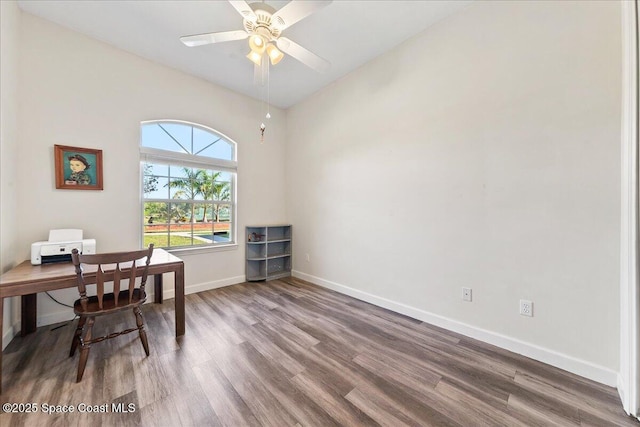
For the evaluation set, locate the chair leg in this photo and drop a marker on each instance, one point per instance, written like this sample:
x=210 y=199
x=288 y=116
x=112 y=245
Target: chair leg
x=141 y=331
x=85 y=346
x=76 y=335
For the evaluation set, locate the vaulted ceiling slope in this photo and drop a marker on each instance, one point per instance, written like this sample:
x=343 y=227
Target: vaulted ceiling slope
x=346 y=33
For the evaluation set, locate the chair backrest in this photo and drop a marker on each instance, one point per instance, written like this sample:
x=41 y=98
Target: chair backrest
x=106 y=272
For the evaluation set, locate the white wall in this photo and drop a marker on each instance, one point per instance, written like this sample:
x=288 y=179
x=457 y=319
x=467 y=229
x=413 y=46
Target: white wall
x=9 y=24
x=80 y=92
x=482 y=153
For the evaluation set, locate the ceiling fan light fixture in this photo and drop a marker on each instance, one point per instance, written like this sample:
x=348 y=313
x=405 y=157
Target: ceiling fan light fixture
x=257 y=43
x=255 y=57
x=274 y=54
x=263 y=26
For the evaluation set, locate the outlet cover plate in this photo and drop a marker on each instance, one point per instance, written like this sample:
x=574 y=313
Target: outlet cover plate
x=466 y=294
x=526 y=308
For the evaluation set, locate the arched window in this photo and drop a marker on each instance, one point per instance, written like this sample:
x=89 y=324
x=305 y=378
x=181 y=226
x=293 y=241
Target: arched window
x=188 y=185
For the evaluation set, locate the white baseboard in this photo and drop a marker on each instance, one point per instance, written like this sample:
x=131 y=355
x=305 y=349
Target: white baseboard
x=568 y=363
x=621 y=386
x=206 y=286
x=67 y=314
x=630 y=410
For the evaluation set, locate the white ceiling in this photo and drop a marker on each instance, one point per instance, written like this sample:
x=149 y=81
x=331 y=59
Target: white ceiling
x=347 y=33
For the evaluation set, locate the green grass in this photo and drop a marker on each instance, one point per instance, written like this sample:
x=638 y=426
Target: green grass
x=162 y=241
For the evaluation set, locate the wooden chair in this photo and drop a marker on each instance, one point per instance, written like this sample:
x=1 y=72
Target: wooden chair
x=88 y=308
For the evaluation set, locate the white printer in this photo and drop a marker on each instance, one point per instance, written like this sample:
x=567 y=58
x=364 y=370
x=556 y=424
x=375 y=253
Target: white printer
x=59 y=246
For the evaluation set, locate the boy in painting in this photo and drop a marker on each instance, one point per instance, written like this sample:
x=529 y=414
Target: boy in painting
x=78 y=164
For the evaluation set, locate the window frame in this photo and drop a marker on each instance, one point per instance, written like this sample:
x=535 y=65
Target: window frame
x=166 y=157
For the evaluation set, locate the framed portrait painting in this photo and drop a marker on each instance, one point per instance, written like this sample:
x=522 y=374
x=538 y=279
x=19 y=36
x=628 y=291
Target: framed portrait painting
x=78 y=168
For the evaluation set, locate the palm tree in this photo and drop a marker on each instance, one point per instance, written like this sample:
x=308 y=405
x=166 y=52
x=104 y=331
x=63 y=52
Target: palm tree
x=190 y=186
x=206 y=190
x=200 y=182
x=211 y=189
x=221 y=191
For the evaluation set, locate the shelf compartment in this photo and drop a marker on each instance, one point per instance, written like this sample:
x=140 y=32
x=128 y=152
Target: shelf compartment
x=278 y=233
x=277 y=266
x=279 y=248
x=256 y=269
x=256 y=234
x=256 y=251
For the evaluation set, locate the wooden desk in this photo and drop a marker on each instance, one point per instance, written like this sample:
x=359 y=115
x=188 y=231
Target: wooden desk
x=27 y=280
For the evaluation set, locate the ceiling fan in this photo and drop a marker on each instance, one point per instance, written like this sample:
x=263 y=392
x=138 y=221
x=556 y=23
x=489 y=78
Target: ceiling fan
x=263 y=26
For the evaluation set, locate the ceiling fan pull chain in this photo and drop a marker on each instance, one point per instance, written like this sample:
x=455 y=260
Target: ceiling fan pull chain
x=268 y=116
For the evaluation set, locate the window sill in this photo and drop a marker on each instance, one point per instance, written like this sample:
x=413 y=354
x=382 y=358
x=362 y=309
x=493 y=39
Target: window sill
x=203 y=249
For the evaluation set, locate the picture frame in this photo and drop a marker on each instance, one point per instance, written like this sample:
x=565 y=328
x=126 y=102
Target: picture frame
x=78 y=168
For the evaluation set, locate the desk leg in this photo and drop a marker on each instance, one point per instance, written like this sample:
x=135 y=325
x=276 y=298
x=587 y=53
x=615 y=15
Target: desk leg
x=29 y=310
x=157 y=288
x=179 y=279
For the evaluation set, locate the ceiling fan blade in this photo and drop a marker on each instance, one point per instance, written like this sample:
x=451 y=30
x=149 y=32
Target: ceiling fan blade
x=208 y=38
x=294 y=11
x=308 y=58
x=244 y=9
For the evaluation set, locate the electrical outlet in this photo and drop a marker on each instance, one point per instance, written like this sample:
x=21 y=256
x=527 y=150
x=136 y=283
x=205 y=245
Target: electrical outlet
x=466 y=294
x=307 y=257
x=526 y=308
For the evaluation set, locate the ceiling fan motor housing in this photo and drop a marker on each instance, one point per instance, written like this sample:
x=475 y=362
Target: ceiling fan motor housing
x=263 y=25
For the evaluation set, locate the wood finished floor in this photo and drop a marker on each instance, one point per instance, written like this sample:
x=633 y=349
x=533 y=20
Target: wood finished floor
x=288 y=353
